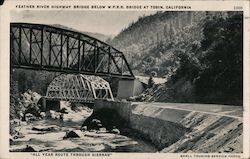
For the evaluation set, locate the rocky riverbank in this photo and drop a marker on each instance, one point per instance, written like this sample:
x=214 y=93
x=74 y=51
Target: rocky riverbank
x=53 y=134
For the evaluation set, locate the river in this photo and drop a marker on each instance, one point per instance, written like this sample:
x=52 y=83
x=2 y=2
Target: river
x=89 y=141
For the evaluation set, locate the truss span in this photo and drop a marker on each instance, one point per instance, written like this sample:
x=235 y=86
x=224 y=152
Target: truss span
x=44 y=47
x=79 y=88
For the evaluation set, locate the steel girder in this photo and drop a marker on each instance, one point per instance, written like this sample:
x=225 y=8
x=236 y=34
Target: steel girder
x=79 y=88
x=44 y=47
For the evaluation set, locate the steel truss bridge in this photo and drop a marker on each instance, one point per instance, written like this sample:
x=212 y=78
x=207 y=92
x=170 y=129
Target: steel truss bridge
x=79 y=88
x=44 y=47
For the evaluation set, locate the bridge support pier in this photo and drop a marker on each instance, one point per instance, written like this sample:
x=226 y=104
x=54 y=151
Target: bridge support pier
x=129 y=88
x=43 y=104
x=47 y=105
x=52 y=105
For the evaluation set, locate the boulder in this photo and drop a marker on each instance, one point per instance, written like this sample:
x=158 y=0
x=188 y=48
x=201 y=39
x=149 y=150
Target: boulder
x=17 y=122
x=54 y=114
x=96 y=121
x=115 y=131
x=43 y=114
x=44 y=128
x=83 y=128
x=95 y=124
x=71 y=134
x=29 y=149
x=102 y=130
x=29 y=117
x=108 y=118
x=64 y=111
x=18 y=135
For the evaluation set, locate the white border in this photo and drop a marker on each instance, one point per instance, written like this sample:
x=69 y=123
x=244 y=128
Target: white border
x=196 y=6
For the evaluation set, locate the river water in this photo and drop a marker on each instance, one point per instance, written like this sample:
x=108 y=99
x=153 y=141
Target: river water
x=89 y=141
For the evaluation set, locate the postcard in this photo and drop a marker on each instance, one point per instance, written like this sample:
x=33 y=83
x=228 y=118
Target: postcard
x=124 y=79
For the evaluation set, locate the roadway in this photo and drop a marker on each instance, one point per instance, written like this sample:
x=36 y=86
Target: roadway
x=213 y=109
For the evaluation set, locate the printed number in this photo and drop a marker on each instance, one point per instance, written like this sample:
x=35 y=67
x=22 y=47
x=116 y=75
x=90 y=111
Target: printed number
x=238 y=7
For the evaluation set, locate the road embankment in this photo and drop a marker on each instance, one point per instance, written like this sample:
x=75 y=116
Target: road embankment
x=173 y=127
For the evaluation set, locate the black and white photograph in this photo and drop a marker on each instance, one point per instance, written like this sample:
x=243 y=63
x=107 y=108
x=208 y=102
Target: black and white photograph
x=126 y=81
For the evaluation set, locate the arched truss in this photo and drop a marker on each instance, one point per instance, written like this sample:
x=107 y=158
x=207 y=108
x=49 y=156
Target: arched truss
x=44 y=47
x=79 y=88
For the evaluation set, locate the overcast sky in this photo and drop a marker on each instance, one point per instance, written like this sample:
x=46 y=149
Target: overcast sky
x=105 y=22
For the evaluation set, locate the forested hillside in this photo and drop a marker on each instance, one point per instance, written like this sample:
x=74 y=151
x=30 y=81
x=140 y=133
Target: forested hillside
x=201 y=49
x=98 y=36
x=149 y=43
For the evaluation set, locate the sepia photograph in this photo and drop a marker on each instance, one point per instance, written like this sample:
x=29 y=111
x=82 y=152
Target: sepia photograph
x=126 y=81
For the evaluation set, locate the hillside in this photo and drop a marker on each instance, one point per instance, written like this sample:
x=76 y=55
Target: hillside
x=151 y=41
x=98 y=36
x=200 y=53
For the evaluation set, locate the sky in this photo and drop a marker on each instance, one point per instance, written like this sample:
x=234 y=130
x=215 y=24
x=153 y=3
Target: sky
x=104 y=22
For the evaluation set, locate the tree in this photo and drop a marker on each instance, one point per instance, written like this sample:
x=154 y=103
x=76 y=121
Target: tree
x=221 y=80
x=150 y=80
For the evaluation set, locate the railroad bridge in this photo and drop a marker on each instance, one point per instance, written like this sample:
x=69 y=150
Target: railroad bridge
x=82 y=60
